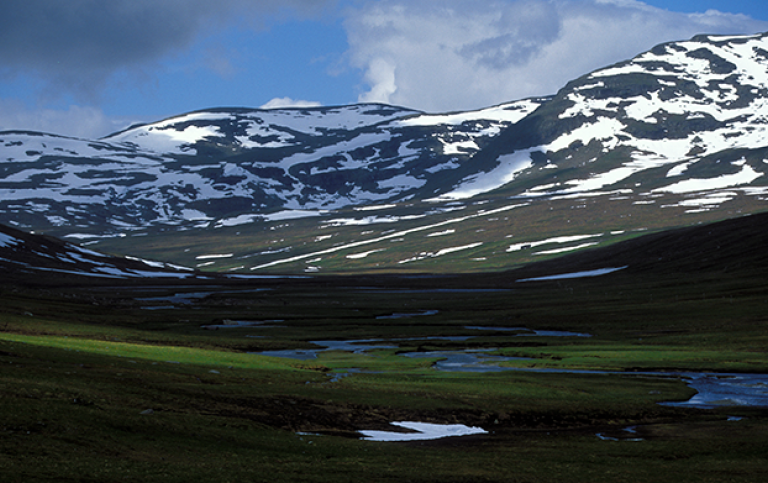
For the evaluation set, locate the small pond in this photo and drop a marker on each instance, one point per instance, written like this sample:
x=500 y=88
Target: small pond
x=187 y=298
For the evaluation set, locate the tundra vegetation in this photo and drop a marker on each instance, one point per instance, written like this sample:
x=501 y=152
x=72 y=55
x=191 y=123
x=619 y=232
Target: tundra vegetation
x=146 y=380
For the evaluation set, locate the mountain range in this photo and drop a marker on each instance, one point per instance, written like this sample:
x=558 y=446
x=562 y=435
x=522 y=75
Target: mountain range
x=673 y=137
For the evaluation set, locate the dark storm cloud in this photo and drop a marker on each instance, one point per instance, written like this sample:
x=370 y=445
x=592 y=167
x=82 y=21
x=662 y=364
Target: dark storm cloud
x=75 y=45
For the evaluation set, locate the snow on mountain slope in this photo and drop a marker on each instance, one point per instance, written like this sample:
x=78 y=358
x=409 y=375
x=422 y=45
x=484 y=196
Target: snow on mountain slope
x=29 y=255
x=489 y=121
x=227 y=163
x=511 y=112
x=680 y=129
x=273 y=128
x=677 y=106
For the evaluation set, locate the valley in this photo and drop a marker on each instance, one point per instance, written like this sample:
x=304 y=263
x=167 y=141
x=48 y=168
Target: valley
x=564 y=288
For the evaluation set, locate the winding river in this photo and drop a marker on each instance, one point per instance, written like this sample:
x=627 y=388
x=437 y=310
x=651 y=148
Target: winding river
x=713 y=389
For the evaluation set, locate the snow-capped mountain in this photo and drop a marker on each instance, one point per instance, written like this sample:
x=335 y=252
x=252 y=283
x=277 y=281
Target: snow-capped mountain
x=691 y=112
x=675 y=136
x=221 y=162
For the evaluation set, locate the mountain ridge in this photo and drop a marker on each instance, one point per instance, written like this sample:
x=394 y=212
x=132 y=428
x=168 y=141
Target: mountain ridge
x=677 y=135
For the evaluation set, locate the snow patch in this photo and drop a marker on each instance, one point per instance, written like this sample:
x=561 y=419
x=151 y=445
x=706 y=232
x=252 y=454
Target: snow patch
x=565 y=249
x=745 y=176
x=374 y=207
x=442 y=233
x=510 y=165
x=424 y=431
x=278 y=216
x=586 y=273
x=357 y=256
x=369 y=220
x=8 y=240
x=208 y=257
x=439 y=253
x=559 y=239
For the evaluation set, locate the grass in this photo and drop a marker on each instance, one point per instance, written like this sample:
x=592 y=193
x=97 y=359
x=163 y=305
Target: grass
x=616 y=217
x=95 y=387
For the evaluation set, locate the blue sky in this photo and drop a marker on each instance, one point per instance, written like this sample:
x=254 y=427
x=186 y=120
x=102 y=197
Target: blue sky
x=90 y=67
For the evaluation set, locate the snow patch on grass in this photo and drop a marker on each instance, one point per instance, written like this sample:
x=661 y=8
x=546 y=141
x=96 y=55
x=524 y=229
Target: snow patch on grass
x=745 y=176
x=357 y=256
x=586 y=273
x=439 y=253
x=555 y=251
x=208 y=257
x=424 y=431
x=559 y=239
x=442 y=233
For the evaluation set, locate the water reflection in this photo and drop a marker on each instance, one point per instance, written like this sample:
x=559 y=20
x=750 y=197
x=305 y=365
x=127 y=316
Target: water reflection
x=408 y=316
x=292 y=354
x=466 y=360
x=718 y=390
x=529 y=332
x=632 y=430
x=713 y=389
x=353 y=346
x=188 y=298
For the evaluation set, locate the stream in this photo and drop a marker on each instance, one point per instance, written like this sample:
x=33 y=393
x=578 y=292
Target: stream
x=713 y=389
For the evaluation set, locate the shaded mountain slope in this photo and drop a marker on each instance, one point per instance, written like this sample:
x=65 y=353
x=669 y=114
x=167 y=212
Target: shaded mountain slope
x=30 y=258
x=731 y=248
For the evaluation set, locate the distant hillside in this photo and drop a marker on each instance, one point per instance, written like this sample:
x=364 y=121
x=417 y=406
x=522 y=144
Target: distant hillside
x=674 y=137
x=31 y=258
x=729 y=250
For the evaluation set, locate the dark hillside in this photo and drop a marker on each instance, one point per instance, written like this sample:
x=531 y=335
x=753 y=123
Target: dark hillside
x=28 y=258
x=733 y=247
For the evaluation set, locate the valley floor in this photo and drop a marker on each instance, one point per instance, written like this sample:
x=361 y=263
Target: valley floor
x=147 y=382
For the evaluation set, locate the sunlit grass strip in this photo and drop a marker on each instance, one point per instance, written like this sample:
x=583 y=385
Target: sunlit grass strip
x=385 y=360
x=182 y=355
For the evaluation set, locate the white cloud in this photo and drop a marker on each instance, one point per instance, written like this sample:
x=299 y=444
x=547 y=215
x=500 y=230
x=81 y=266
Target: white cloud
x=283 y=102
x=381 y=76
x=462 y=54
